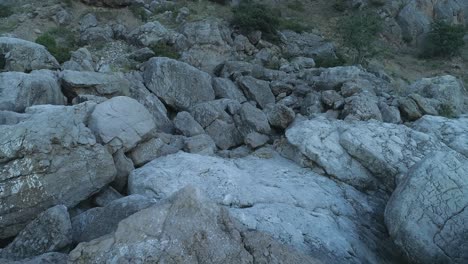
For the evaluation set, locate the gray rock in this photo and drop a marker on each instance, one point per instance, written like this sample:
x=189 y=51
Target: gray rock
x=139 y=92
x=185 y=123
x=96 y=83
x=426 y=215
x=280 y=115
x=195 y=230
x=409 y=109
x=257 y=90
x=209 y=43
x=50 y=231
x=121 y=122
x=390 y=114
x=332 y=99
x=224 y=134
x=330 y=221
x=255 y=140
x=19 y=90
x=150 y=150
x=123 y=166
x=225 y=88
x=206 y=113
x=201 y=144
x=24 y=56
x=142 y=55
x=426 y=106
x=307 y=45
x=446 y=89
x=149 y=34
x=252 y=119
x=43 y=160
x=106 y=196
x=80 y=60
x=453 y=132
x=97 y=34
x=100 y=221
x=387 y=150
x=176 y=83
x=362 y=106
x=47 y=258
x=311 y=104
x=81 y=98
x=318 y=142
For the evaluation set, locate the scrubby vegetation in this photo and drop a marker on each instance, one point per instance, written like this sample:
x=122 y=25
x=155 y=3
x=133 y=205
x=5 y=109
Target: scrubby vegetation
x=359 y=33
x=5 y=11
x=444 y=39
x=165 y=50
x=60 y=42
x=250 y=16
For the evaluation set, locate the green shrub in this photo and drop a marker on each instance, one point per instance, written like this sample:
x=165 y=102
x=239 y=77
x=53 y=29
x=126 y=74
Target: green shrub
x=340 y=5
x=221 y=2
x=444 y=39
x=292 y=25
x=60 y=42
x=139 y=12
x=165 y=50
x=250 y=16
x=5 y=11
x=359 y=33
x=296 y=5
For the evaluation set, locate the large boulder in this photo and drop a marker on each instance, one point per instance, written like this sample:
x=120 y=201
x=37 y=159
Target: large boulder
x=427 y=216
x=49 y=158
x=453 y=132
x=316 y=142
x=307 y=45
x=257 y=90
x=24 y=56
x=149 y=34
x=209 y=43
x=178 y=84
x=19 y=90
x=100 y=221
x=447 y=89
x=121 y=122
x=330 y=221
x=104 y=84
x=50 y=231
x=139 y=92
x=186 y=228
x=356 y=152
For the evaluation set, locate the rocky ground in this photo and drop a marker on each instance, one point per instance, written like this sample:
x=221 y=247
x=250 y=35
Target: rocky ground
x=169 y=137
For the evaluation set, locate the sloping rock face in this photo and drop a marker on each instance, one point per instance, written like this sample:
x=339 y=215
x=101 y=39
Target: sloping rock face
x=359 y=152
x=325 y=219
x=453 y=132
x=19 y=90
x=178 y=84
x=25 y=56
x=49 y=158
x=50 y=231
x=448 y=90
x=186 y=228
x=427 y=214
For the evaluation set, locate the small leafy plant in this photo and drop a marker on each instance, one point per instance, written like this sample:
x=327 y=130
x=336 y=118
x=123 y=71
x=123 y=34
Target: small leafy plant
x=444 y=39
